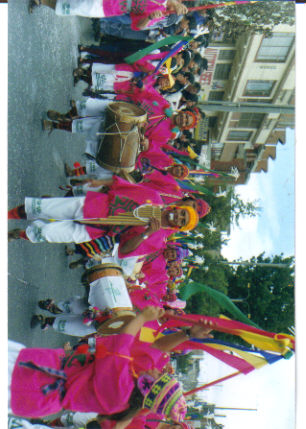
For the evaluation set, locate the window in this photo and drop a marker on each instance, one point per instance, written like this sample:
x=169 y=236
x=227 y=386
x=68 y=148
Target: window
x=275 y=48
x=259 y=88
x=216 y=95
x=227 y=54
x=212 y=121
x=250 y=120
x=235 y=135
x=222 y=71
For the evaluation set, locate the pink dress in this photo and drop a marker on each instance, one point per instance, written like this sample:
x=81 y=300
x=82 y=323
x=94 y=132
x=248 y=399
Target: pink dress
x=165 y=184
x=141 y=298
x=123 y=197
x=118 y=77
x=138 y=10
x=102 y=385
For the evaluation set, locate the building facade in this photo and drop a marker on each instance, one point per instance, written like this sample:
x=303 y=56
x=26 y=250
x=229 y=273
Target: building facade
x=248 y=96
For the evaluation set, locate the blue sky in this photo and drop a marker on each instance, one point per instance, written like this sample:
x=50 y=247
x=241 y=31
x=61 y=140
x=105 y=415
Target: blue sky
x=272 y=231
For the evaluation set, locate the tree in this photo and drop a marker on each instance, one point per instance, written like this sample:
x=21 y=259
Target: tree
x=229 y=209
x=260 y=17
x=271 y=294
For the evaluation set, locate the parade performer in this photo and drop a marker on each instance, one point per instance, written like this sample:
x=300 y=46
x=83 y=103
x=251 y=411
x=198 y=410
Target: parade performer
x=52 y=381
x=142 y=14
x=144 y=236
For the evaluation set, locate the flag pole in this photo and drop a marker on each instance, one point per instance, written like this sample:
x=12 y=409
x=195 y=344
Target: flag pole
x=205 y=386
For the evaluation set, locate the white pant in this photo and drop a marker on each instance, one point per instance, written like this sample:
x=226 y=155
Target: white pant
x=64 y=211
x=88 y=8
x=92 y=112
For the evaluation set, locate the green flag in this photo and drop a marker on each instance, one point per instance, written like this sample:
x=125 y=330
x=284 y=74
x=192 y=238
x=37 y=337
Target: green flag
x=224 y=301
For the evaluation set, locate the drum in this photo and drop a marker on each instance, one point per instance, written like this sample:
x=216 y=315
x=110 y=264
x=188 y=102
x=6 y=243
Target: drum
x=120 y=137
x=108 y=291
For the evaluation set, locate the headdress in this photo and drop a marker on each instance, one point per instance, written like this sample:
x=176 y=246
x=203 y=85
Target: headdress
x=203 y=208
x=185 y=170
x=181 y=252
x=193 y=218
x=164 y=396
x=194 y=122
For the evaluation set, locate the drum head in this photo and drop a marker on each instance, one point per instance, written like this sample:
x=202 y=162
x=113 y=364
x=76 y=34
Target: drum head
x=127 y=112
x=114 y=325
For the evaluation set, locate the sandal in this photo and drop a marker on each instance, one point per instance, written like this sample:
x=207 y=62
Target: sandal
x=68 y=170
x=44 y=322
x=14 y=234
x=47 y=126
x=49 y=305
x=33 y=4
x=77 y=264
x=73 y=112
x=53 y=115
x=77 y=74
x=37 y=319
x=69 y=251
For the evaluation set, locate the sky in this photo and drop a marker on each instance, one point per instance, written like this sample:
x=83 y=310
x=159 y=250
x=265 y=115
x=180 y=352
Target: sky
x=269 y=390
x=272 y=231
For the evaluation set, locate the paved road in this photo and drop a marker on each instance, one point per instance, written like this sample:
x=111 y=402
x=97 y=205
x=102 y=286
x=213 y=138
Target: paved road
x=42 y=55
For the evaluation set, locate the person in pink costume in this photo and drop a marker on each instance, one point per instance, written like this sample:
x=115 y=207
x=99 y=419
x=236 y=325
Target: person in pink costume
x=163 y=125
x=144 y=420
x=51 y=381
x=122 y=197
x=118 y=78
x=143 y=297
x=166 y=185
x=143 y=14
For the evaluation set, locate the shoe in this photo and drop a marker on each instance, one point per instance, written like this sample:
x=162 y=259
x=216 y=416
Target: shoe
x=49 y=305
x=14 y=234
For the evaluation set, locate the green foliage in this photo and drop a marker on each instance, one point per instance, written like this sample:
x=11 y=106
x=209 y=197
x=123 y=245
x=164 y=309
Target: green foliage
x=271 y=294
x=260 y=17
x=229 y=209
x=183 y=362
x=201 y=303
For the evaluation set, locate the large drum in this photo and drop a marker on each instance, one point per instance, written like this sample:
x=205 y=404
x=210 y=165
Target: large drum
x=120 y=137
x=108 y=291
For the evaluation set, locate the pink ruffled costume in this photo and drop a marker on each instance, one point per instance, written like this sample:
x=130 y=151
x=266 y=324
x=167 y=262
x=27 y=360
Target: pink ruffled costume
x=102 y=385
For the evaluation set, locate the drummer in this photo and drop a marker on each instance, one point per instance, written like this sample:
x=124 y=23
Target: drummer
x=122 y=197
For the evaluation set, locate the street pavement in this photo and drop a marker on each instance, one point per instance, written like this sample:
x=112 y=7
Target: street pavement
x=42 y=55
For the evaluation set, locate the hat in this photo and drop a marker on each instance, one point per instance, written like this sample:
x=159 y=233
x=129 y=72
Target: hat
x=181 y=252
x=185 y=170
x=165 y=396
x=203 y=208
x=195 y=119
x=193 y=218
